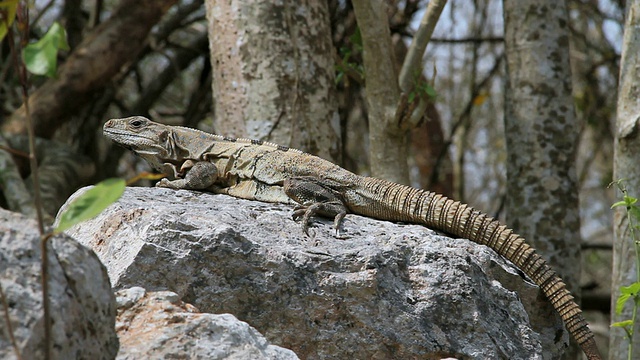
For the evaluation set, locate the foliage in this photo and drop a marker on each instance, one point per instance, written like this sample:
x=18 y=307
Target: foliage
x=41 y=57
x=626 y=292
x=632 y=291
x=346 y=65
x=7 y=14
x=423 y=89
x=91 y=203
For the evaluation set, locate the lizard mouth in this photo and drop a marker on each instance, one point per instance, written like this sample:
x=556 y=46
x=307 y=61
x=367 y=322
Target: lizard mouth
x=126 y=139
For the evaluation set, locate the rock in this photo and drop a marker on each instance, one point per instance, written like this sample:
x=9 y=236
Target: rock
x=387 y=291
x=83 y=307
x=158 y=325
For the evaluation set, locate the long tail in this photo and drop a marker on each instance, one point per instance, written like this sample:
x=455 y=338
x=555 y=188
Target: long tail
x=390 y=201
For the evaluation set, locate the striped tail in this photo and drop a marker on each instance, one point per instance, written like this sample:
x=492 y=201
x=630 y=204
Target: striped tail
x=390 y=201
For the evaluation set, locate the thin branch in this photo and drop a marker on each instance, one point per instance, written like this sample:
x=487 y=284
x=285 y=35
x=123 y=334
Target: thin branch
x=597 y=246
x=413 y=61
x=46 y=305
x=42 y=12
x=73 y=21
x=465 y=113
x=94 y=17
x=23 y=19
x=412 y=66
x=5 y=308
x=173 y=21
x=14 y=151
x=100 y=56
x=472 y=40
x=179 y=60
x=349 y=71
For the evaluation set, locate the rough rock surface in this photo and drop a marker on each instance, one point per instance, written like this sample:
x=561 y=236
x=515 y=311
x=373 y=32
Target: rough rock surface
x=82 y=303
x=157 y=325
x=385 y=291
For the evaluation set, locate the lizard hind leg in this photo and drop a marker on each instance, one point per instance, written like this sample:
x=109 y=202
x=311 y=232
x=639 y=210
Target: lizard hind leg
x=315 y=198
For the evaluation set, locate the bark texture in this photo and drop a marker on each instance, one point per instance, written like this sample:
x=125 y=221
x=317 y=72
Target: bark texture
x=273 y=73
x=93 y=64
x=542 y=132
x=626 y=153
x=387 y=141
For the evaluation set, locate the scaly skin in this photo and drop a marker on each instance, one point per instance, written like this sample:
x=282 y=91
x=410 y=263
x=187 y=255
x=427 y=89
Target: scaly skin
x=254 y=170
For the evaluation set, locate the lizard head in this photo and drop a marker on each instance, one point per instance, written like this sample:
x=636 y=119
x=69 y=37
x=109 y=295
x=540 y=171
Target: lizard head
x=152 y=141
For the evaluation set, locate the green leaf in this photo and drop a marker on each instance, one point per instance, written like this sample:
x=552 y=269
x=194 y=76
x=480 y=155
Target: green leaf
x=41 y=57
x=7 y=15
x=619 y=203
x=625 y=293
x=632 y=289
x=91 y=203
x=622 y=324
x=622 y=299
x=356 y=39
x=430 y=91
x=630 y=200
x=635 y=212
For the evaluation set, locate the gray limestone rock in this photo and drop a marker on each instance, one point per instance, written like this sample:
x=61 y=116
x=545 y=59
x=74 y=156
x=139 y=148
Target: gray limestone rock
x=386 y=291
x=157 y=325
x=83 y=307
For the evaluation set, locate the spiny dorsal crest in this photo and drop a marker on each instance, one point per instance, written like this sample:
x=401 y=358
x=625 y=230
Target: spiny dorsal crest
x=242 y=140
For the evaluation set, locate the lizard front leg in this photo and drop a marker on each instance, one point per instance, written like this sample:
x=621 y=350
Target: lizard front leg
x=315 y=198
x=197 y=176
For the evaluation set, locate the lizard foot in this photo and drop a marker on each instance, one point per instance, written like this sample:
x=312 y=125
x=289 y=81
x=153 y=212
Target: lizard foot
x=326 y=209
x=316 y=198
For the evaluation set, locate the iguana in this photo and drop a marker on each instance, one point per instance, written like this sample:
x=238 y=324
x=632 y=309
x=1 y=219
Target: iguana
x=257 y=170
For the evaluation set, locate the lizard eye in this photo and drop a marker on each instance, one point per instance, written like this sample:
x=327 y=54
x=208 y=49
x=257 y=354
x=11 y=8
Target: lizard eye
x=136 y=123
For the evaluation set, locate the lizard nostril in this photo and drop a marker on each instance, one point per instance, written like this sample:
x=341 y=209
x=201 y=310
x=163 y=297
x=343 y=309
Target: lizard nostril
x=108 y=124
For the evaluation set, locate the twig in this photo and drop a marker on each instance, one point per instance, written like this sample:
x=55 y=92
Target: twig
x=42 y=12
x=348 y=70
x=94 y=16
x=5 y=307
x=461 y=118
x=413 y=61
x=46 y=306
x=14 y=151
x=464 y=41
x=23 y=18
x=412 y=66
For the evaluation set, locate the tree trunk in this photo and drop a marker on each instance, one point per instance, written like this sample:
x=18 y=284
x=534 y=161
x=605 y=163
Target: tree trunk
x=273 y=73
x=387 y=141
x=625 y=166
x=542 y=133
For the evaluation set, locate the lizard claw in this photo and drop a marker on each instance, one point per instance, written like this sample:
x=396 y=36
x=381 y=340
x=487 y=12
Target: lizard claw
x=316 y=198
x=165 y=183
x=305 y=212
x=308 y=210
